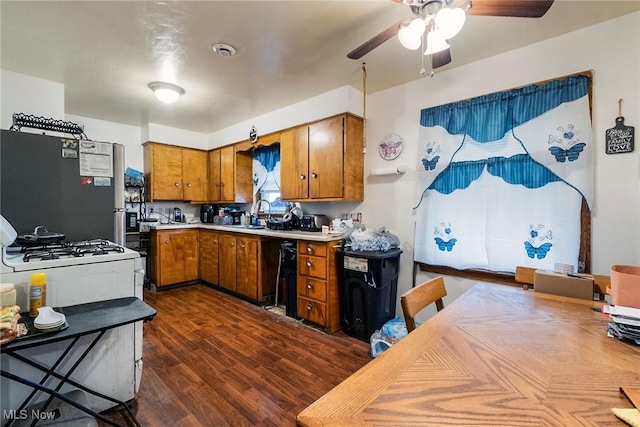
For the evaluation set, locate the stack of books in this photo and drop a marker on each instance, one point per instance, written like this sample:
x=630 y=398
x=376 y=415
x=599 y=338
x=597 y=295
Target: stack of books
x=625 y=322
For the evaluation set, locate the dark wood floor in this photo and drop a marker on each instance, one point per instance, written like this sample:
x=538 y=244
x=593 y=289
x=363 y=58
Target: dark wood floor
x=211 y=359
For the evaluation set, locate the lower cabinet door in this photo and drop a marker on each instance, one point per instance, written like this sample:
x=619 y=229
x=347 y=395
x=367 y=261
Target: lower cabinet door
x=208 y=256
x=227 y=262
x=247 y=267
x=312 y=311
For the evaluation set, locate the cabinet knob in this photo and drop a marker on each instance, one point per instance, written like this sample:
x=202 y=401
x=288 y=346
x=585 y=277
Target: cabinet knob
x=177 y=184
x=309 y=307
x=222 y=184
x=216 y=185
x=309 y=285
x=166 y=242
x=232 y=244
x=309 y=249
x=242 y=246
x=302 y=176
x=188 y=184
x=313 y=174
x=309 y=264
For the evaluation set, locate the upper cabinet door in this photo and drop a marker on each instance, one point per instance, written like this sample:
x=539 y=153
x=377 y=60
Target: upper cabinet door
x=326 y=158
x=227 y=174
x=194 y=175
x=214 y=175
x=165 y=175
x=294 y=163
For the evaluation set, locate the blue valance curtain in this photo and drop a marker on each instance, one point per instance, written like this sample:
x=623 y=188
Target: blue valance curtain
x=501 y=178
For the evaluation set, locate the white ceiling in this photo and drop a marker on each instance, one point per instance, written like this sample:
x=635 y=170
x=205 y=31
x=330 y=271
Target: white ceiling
x=107 y=52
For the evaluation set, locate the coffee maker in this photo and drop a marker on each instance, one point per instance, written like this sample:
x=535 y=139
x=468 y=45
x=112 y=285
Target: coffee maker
x=207 y=212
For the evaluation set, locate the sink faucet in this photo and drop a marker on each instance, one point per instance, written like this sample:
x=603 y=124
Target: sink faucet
x=268 y=205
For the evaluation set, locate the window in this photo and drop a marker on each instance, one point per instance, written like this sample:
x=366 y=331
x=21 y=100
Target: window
x=502 y=179
x=266 y=177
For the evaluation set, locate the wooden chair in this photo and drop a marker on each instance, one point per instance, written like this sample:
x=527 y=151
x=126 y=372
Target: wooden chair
x=421 y=296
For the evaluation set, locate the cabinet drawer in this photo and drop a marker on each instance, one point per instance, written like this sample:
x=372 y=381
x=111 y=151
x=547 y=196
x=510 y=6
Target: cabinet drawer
x=312 y=266
x=312 y=288
x=312 y=248
x=312 y=311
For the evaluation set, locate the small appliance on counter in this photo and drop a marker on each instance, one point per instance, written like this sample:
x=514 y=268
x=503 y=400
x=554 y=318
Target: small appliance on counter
x=313 y=222
x=207 y=212
x=236 y=216
x=177 y=215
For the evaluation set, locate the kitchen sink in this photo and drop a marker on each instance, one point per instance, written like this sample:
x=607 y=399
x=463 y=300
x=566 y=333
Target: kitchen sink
x=246 y=226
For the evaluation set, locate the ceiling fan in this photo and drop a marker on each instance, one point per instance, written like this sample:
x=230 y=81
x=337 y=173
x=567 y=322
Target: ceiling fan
x=441 y=20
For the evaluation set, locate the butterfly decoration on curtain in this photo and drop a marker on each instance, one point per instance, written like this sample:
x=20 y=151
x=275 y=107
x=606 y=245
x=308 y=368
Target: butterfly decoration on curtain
x=445 y=233
x=537 y=237
x=430 y=159
x=568 y=145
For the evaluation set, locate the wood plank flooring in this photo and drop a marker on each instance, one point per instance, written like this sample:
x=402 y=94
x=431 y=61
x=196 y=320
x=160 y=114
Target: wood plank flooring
x=211 y=359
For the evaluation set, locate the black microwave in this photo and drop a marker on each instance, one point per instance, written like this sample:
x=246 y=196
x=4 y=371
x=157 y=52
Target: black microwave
x=131 y=221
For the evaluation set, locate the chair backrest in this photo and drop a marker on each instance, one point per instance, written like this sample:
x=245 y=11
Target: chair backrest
x=421 y=296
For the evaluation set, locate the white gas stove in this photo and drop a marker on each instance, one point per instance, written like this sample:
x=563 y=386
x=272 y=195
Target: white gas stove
x=77 y=273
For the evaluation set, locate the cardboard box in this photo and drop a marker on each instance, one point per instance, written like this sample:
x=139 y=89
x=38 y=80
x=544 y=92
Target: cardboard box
x=575 y=286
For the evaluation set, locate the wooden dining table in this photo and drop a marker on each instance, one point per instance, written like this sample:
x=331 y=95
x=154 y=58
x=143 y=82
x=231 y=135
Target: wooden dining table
x=496 y=356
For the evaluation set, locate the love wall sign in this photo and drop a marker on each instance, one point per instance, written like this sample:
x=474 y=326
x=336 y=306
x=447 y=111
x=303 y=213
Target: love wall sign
x=619 y=139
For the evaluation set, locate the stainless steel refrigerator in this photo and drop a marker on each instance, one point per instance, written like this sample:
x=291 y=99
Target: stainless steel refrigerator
x=70 y=186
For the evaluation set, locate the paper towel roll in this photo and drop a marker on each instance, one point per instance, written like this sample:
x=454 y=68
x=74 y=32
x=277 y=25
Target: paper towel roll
x=389 y=171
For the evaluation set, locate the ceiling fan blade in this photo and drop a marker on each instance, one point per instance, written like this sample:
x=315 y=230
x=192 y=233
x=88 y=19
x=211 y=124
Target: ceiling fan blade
x=441 y=58
x=514 y=8
x=377 y=40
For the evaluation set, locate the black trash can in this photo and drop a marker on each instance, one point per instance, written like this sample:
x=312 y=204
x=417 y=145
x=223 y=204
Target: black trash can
x=368 y=288
x=288 y=274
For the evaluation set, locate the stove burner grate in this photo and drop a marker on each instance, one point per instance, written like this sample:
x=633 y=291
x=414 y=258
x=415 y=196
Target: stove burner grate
x=69 y=250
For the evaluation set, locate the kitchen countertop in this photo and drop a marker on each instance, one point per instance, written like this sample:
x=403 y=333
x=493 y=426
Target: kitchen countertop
x=316 y=236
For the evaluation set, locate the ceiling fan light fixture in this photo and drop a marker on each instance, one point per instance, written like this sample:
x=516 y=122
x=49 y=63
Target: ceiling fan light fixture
x=410 y=36
x=450 y=21
x=166 y=92
x=435 y=43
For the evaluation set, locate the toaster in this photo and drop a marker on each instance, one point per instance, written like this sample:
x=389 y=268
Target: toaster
x=313 y=222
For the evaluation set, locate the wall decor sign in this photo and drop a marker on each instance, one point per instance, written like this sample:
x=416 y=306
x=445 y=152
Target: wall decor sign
x=253 y=135
x=619 y=139
x=390 y=146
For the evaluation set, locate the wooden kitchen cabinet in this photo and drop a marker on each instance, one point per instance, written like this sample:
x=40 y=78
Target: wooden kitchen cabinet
x=323 y=160
x=194 y=175
x=247 y=253
x=239 y=264
x=227 y=261
x=246 y=265
x=317 y=284
x=221 y=174
x=208 y=254
x=175 y=173
x=174 y=256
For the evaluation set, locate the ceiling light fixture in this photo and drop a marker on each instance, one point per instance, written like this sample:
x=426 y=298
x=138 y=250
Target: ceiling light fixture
x=410 y=35
x=435 y=43
x=440 y=21
x=166 y=92
x=450 y=21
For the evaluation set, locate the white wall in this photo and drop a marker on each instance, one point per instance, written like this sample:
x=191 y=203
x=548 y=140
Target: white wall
x=328 y=104
x=611 y=49
x=29 y=95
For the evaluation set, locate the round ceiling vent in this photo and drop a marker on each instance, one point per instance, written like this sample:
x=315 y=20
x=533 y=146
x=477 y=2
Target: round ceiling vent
x=224 y=49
